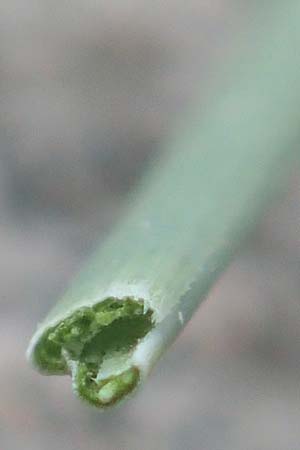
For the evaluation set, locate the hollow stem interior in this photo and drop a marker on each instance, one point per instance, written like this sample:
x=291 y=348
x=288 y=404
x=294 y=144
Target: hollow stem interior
x=95 y=344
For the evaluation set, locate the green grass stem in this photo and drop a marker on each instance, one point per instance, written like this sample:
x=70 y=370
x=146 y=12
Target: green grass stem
x=184 y=223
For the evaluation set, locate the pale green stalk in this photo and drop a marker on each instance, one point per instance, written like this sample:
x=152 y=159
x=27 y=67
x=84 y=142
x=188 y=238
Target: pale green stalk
x=185 y=222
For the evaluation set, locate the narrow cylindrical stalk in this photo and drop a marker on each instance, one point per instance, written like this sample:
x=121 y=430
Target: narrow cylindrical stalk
x=184 y=223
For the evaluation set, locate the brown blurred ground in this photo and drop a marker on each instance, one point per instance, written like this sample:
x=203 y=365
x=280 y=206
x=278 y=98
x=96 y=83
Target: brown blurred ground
x=88 y=92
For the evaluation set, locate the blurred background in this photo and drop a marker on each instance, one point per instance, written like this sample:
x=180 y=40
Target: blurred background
x=89 y=90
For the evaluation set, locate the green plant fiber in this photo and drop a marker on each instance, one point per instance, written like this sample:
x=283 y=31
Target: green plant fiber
x=184 y=222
